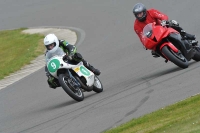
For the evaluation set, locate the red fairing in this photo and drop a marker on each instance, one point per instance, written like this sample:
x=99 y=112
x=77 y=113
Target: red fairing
x=153 y=15
x=169 y=44
x=156 y=35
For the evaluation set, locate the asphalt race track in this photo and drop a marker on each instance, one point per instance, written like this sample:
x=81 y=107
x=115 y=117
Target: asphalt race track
x=134 y=82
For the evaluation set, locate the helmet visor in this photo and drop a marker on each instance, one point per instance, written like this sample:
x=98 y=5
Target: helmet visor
x=140 y=14
x=51 y=46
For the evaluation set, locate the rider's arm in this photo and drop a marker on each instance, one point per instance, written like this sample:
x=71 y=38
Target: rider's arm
x=68 y=48
x=157 y=14
x=138 y=31
x=47 y=56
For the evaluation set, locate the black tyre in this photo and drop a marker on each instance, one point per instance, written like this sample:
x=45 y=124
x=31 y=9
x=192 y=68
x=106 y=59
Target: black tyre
x=69 y=86
x=98 y=87
x=176 y=58
x=197 y=54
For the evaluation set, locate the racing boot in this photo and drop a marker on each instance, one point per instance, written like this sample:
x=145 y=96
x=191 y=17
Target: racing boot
x=53 y=83
x=187 y=35
x=155 y=54
x=194 y=42
x=91 y=68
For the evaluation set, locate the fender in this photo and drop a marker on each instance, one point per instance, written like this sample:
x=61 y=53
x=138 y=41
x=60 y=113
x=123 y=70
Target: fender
x=170 y=45
x=82 y=71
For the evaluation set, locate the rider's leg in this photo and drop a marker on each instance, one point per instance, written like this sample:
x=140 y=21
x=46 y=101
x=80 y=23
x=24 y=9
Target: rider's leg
x=78 y=57
x=91 y=68
x=53 y=83
x=183 y=33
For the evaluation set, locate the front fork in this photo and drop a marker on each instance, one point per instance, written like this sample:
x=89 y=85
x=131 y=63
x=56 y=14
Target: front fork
x=73 y=81
x=171 y=46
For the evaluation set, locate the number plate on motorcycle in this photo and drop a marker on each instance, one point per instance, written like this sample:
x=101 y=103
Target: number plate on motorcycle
x=76 y=69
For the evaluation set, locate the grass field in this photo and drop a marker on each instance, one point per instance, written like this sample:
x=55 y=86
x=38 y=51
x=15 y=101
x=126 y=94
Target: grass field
x=182 y=117
x=18 y=49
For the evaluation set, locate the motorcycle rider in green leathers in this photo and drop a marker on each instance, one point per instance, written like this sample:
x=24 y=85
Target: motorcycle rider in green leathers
x=52 y=43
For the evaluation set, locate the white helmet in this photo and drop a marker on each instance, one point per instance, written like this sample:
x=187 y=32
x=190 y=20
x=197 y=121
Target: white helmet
x=51 y=39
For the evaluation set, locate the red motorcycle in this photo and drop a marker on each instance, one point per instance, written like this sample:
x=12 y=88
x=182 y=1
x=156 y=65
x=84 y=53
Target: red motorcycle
x=169 y=44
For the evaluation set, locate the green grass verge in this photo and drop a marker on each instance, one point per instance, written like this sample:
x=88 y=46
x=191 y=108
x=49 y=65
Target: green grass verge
x=17 y=49
x=182 y=117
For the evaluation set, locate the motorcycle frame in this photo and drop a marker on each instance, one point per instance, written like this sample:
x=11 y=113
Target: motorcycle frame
x=64 y=66
x=160 y=38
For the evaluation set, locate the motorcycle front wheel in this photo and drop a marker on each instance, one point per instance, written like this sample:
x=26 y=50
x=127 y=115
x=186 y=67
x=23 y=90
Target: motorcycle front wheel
x=176 y=58
x=70 y=87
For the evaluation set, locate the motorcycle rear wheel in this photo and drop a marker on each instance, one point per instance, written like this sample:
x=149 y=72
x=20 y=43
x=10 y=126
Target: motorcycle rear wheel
x=68 y=85
x=176 y=58
x=98 y=87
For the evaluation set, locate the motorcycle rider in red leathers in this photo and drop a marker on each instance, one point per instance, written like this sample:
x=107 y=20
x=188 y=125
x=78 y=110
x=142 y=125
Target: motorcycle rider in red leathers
x=144 y=17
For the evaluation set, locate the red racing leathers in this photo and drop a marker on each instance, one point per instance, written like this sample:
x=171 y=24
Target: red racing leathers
x=153 y=15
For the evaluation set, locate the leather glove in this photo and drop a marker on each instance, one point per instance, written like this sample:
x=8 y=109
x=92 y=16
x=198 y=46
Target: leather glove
x=67 y=57
x=164 y=23
x=173 y=23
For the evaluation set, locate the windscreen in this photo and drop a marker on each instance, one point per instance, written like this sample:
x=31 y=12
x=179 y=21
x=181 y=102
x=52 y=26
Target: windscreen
x=147 y=30
x=58 y=52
